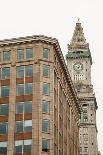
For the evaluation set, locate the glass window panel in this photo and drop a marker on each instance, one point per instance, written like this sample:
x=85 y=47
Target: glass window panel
x=45 y=106
x=28 y=88
x=5 y=73
x=20 y=89
x=3 y=128
x=27 y=145
x=4 y=91
x=45 y=125
x=6 y=55
x=46 y=53
x=28 y=107
x=4 y=109
x=3 y=147
x=19 y=126
x=19 y=107
x=29 y=71
x=45 y=145
x=18 y=146
x=20 y=54
x=46 y=69
x=20 y=72
x=28 y=125
x=46 y=88
x=29 y=53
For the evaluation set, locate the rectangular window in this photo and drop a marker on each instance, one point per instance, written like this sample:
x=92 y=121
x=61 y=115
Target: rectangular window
x=4 y=128
x=24 y=71
x=4 y=109
x=23 y=146
x=6 y=56
x=3 y=147
x=6 y=73
x=20 y=54
x=24 y=107
x=46 y=88
x=46 y=70
x=28 y=125
x=20 y=71
x=29 y=53
x=45 y=106
x=45 y=145
x=5 y=91
x=45 y=125
x=29 y=71
x=28 y=88
x=46 y=53
x=20 y=89
x=19 y=126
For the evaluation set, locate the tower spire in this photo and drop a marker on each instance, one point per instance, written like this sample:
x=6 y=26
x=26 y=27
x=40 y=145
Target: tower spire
x=78 y=40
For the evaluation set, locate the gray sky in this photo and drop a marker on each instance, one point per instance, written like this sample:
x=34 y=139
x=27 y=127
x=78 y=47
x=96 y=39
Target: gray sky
x=57 y=18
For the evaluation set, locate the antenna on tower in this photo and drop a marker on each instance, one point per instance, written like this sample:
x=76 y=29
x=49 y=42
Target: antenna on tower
x=78 y=21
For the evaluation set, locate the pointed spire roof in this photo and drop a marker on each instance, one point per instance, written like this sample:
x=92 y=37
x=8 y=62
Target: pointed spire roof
x=78 y=40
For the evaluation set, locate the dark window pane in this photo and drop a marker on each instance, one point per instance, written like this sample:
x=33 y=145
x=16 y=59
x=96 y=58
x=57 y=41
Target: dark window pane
x=46 y=69
x=6 y=56
x=3 y=147
x=5 y=73
x=45 y=106
x=28 y=125
x=29 y=53
x=20 y=54
x=18 y=146
x=29 y=71
x=20 y=72
x=4 y=91
x=45 y=125
x=27 y=145
x=20 y=89
x=28 y=107
x=45 y=145
x=19 y=107
x=3 y=128
x=46 y=53
x=46 y=88
x=28 y=88
x=4 y=109
x=19 y=127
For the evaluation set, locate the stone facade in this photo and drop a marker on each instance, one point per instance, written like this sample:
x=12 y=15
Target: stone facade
x=79 y=63
x=42 y=109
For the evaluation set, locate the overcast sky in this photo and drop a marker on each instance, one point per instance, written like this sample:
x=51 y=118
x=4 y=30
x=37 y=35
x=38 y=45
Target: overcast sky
x=57 y=18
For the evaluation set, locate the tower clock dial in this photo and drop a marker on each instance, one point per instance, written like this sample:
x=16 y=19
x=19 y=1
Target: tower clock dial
x=78 y=66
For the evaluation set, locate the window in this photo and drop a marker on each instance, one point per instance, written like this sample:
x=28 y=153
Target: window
x=6 y=55
x=4 y=109
x=4 y=91
x=20 y=54
x=24 y=107
x=45 y=106
x=5 y=73
x=46 y=53
x=23 y=146
x=23 y=126
x=45 y=125
x=24 y=89
x=29 y=53
x=46 y=70
x=3 y=147
x=4 y=128
x=24 y=71
x=45 y=145
x=46 y=88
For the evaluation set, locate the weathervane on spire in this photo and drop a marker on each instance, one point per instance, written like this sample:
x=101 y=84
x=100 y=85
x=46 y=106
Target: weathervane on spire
x=78 y=21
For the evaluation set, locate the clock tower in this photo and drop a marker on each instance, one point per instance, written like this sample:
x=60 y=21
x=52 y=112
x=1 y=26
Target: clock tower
x=79 y=63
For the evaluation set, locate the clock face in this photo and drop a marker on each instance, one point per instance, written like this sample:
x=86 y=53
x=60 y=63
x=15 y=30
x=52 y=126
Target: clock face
x=78 y=66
